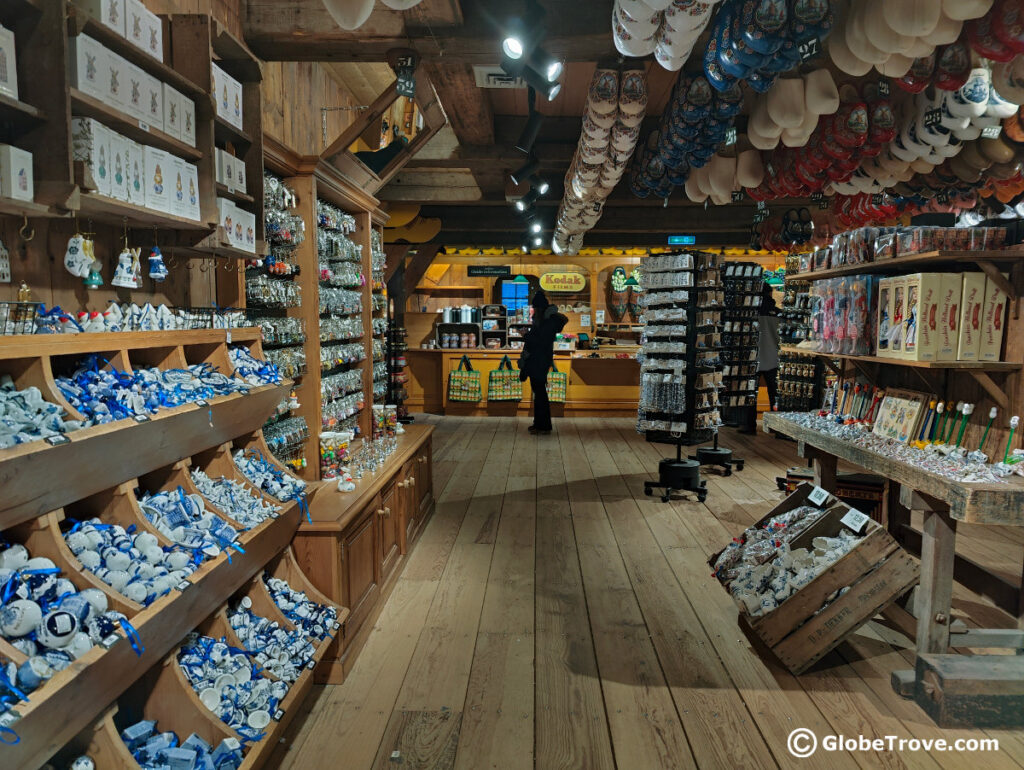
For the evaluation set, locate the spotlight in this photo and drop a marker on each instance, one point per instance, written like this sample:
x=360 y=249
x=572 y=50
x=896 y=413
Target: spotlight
x=523 y=34
x=513 y=46
x=545 y=63
x=541 y=83
x=530 y=130
x=528 y=169
x=527 y=200
x=538 y=241
x=526 y=250
x=535 y=227
x=540 y=185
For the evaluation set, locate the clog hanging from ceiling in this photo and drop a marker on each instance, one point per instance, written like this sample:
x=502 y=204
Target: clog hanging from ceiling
x=401 y=5
x=913 y=18
x=349 y=14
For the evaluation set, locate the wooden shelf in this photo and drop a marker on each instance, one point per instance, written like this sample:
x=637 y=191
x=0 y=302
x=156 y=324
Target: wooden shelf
x=76 y=696
x=984 y=366
x=80 y=21
x=16 y=208
x=450 y=291
x=912 y=263
x=216 y=245
x=83 y=105
x=237 y=197
x=975 y=503
x=18 y=115
x=224 y=133
x=115 y=212
x=35 y=345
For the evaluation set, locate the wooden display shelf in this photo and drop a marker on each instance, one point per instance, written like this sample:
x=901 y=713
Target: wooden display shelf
x=115 y=212
x=978 y=370
x=31 y=209
x=974 y=503
x=237 y=197
x=35 y=345
x=79 y=21
x=72 y=699
x=984 y=366
x=83 y=105
x=226 y=133
x=216 y=245
x=18 y=115
x=913 y=263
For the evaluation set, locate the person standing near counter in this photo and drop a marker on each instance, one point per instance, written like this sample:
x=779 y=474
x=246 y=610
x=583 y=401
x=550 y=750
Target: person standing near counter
x=538 y=354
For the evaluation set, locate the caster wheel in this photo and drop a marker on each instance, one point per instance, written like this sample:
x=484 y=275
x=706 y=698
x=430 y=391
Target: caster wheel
x=702 y=497
x=739 y=466
x=781 y=484
x=727 y=472
x=647 y=491
x=665 y=498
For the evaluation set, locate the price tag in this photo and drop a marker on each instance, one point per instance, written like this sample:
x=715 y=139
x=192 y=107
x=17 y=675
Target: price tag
x=335 y=626
x=823 y=204
x=141 y=418
x=932 y=117
x=856 y=521
x=991 y=132
x=738 y=196
x=730 y=136
x=9 y=718
x=201 y=402
x=817 y=496
x=809 y=48
x=57 y=440
x=183 y=585
x=883 y=88
x=244 y=391
x=817 y=197
x=144 y=126
x=273 y=514
x=278 y=714
x=942 y=197
x=876 y=199
x=311 y=664
x=109 y=641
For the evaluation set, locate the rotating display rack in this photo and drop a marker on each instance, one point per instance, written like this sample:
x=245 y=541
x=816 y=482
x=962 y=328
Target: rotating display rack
x=743 y=285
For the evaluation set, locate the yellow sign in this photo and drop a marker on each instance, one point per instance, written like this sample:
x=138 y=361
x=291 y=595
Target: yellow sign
x=563 y=282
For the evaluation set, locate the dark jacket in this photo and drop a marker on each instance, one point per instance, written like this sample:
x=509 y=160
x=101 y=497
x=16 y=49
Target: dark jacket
x=539 y=343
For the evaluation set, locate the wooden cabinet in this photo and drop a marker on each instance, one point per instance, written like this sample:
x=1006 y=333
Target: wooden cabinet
x=360 y=566
x=389 y=516
x=424 y=485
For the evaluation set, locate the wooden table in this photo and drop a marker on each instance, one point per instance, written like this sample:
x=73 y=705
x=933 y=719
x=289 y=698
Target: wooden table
x=939 y=677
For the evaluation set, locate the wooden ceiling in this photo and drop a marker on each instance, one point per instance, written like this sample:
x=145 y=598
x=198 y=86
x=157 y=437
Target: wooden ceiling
x=461 y=175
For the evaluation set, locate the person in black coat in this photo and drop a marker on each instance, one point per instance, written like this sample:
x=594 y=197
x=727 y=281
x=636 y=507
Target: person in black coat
x=538 y=354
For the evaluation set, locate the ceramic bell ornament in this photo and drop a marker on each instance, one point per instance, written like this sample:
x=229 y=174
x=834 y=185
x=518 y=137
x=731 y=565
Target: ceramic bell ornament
x=124 y=275
x=157 y=268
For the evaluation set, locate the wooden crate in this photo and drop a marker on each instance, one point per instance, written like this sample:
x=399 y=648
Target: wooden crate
x=877 y=571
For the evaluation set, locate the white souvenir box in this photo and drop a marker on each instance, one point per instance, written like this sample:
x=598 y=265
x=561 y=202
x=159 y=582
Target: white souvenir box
x=226 y=169
x=8 y=64
x=172 y=111
x=971 y=302
x=178 y=189
x=245 y=230
x=136 y=173
x=235 y=108
x=87 y=60
x=159 y=166
x=144 y=29
x=118 y=166
x=16 y=173
x=240 y=179
x=153 y=102
x=115 y=81
x=136 y=91
x=109 y=13
x=226 y=219
x=218 y=79
x=90 y=144
x=993 y=322
x=188 y=121
x=192 y=192
x=949 y=317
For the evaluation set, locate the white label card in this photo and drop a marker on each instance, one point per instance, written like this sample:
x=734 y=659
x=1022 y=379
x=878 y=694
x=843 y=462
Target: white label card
x=856 y=520
x=144 y=126
x=110 y=641
x=817 y=496
x=9 y=718
x=228 y=335
x=599 y=315
x=584 y=319
x=311 y=664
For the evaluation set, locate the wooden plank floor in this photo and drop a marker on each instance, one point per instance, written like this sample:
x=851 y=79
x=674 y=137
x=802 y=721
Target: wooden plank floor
x=552 y=616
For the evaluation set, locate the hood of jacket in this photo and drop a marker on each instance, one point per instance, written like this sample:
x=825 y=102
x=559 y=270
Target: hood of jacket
x=556 y=319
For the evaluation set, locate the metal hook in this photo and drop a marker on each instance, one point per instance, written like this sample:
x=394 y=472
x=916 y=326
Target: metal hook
x=228 y=267
x=172 y=260
x=204 y=267
x=24 y=228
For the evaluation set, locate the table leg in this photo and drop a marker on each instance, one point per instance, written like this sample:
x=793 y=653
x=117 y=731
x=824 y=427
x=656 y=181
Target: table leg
x=935 y=596
x=825 y=471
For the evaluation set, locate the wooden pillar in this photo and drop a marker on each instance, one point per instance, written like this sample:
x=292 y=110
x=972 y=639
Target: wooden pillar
x=594 y=295
x=362 y=237
x=824 y=466
x=935 y=596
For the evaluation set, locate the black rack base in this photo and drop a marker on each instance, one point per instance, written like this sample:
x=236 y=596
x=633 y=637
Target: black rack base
x=677 y=476
x=720 y=456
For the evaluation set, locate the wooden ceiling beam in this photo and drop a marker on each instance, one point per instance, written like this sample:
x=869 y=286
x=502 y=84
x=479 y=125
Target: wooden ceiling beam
x=657 y=239
x=395 y=253
x=467 y=106
x=416 y=268
x=302 y=30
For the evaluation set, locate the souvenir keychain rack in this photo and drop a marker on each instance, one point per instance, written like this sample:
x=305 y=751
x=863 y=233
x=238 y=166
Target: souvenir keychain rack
x=743 y=284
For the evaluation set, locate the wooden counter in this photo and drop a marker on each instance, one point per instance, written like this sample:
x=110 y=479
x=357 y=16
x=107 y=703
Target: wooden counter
x=602 y=386
x=355 y=546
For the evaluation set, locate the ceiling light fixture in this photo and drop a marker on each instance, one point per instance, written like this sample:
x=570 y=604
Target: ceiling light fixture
x=527 y=200
x=532 y=127
x=539 y=82
x=523 y=33
x=528 y=169
x=540 y=185
x=538 y=241
x=536 y=227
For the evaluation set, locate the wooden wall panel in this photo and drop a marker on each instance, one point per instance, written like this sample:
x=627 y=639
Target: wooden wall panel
x=293 y=94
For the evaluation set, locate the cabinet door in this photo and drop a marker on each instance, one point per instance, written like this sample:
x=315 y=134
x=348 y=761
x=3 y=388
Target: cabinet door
x=410 y=506
x=361 y=566
x=423 y=488
x=389 y=514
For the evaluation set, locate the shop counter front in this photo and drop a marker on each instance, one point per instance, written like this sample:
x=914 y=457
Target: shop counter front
x=603 y=386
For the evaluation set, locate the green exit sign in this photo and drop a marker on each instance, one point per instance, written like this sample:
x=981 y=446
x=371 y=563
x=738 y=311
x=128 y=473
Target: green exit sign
x=682 y=240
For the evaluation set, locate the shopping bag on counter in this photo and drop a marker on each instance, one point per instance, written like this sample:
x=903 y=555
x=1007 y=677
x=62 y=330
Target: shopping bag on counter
x=503 y=383
x=557 y=383
x=464 y=383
